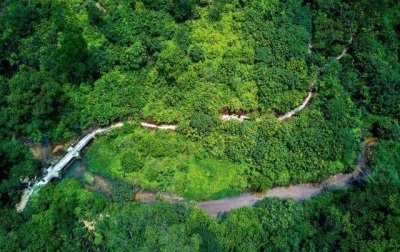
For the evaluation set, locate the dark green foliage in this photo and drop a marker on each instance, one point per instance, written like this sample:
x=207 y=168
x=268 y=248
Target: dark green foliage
x=94 y=13
x=34 y=101
x=53 y=219
x=364 y=217
x=14 y=153
x=72 y=55
x=196 y=53
x=155 y=227
x=216 y=10
x=179 y=9
x=385 y=128
x=202 y=123
x=131 y=161
x=171 y=61
x=66 y=66
x=113 y=97
x=285 y=215
x=183 y=9
x=386 y=155
x=277 y=88
x=121 y=191
x=182 y=38
x=16 y=163
x=372 y=66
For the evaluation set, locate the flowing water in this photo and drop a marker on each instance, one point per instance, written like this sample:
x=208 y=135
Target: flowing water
x=75 y=170
x=214 y=207
x=294 y=192
x=78 y=168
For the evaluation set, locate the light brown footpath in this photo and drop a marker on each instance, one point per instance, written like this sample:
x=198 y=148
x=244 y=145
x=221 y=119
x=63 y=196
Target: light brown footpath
x=294 y=192
x=305 y=190
x=73 y=152
x=310 y=93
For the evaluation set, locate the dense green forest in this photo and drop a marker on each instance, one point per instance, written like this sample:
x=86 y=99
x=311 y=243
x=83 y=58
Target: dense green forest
x=67 y=67
x=67 y=217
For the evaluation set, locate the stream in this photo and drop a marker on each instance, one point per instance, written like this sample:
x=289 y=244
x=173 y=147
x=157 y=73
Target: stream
x=214 y=207
x=295 y=192
x=78 y=168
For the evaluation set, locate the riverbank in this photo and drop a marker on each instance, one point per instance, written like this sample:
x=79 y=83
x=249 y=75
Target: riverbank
x=294 y=192
x=214 y=207
x=74 y=152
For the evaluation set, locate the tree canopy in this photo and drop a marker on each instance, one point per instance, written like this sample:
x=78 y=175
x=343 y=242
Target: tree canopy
x=68 y=67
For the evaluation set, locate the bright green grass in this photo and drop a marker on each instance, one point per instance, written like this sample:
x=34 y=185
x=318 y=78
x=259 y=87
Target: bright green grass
x=101 y=159
x=88 y=177
x=172 y=164
x=214 y=179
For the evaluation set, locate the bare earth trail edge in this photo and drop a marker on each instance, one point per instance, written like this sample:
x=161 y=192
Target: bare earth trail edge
x=295 y=192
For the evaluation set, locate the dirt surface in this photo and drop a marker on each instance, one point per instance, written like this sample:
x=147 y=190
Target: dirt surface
x=149 y=196
x=237 y=117
x=57 y=149
x=295 y=192
x=46 y=152
x=153 y=126
x=100 y=185
x=40 y=151
x=213 y=207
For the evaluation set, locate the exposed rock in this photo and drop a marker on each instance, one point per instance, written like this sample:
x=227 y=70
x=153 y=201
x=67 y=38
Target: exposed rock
x=57 y=149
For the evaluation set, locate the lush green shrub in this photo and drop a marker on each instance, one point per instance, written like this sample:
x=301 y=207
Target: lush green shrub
x=202 y=123
x=196 y=53
x=88 y=178
x=131 y=161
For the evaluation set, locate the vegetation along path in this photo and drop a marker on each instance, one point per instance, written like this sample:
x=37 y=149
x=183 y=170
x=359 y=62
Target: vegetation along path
x=295 y=192
x=73 y=152
x=310 y=93
x=212 y=207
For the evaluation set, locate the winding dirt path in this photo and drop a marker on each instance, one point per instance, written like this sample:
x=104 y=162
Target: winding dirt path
x=345 y=50
x=153 y=126
x=295 y=192
x=310 y=93
x=301 y=107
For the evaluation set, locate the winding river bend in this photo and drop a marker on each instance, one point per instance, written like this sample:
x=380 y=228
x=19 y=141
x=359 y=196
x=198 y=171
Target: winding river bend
x=73 y=152
x=296 y=192
x=213 y=207
x=310 y=93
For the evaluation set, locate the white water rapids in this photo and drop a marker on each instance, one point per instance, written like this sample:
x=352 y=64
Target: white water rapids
x=73 y=152
x=245 y=199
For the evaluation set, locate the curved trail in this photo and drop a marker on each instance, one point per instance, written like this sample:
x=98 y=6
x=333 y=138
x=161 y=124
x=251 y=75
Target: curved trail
x=301 y=107
x=345 y=50
x=295 y=192
x=73 y=152
x=310 y=93
x=212 y=207
x=54 y=171
x=153 y=126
